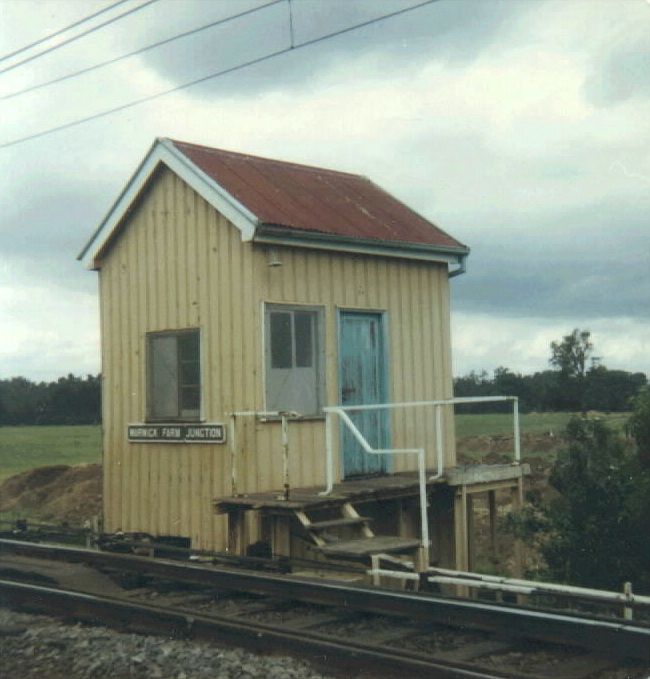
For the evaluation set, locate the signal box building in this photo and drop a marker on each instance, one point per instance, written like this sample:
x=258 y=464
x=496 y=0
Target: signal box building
x=239 y=297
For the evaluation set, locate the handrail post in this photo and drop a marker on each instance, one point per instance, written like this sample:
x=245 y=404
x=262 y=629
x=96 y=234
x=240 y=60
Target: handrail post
x=439 y=441
x=345 y=421
x=515 y=409
x=329 y=453
x=627 y=591
x=423 y=556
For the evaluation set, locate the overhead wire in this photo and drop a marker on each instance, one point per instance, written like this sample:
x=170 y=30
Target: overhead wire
x=217 y=74
x=73 y=38
x=140 y=50
x=45 y=38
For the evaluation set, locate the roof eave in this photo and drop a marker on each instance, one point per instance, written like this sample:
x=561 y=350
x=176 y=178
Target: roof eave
x=282 y=236
x=163 y=151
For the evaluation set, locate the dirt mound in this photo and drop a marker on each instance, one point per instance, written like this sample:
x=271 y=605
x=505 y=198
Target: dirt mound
x=503 y=444
x=56 y=493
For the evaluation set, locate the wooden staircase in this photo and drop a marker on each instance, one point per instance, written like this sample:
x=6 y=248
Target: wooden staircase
x=362 y=547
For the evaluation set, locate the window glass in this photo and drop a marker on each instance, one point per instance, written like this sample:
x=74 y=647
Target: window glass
x=164 y=377
x=174 y=375
x=190 y=372
x=188 y=346
x=191 y=400
x=303 y=326
x=281 y=340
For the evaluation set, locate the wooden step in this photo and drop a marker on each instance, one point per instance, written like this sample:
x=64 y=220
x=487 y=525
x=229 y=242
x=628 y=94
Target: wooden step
x=367 y=546
x=336 y=523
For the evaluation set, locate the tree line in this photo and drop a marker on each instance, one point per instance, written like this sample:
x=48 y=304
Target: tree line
x=603 y=390
x=577 y=382
x=68 y=400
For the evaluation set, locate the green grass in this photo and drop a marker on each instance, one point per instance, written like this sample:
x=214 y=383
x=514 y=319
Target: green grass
x=541 y=433
x=23 y=448
x=499 y=424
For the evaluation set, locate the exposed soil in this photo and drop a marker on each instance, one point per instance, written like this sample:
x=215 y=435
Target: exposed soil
x=73 y=494
x=56 y=493
x=538 y=451
x=486 y=446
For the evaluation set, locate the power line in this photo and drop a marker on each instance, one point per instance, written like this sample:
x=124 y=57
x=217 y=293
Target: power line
x=78 y=36
x=140 y=50
x=217 y=74
x=62 y=30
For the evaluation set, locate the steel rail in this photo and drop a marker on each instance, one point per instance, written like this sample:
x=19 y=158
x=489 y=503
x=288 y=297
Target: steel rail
x=622 y=639
x=315 y=647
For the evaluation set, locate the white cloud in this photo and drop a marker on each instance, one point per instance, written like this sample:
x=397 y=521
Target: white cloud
x=485 y=342
x=47 y=332
x=503 y=149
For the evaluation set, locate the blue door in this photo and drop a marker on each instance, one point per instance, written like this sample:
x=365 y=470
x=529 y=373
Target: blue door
x=362 y=380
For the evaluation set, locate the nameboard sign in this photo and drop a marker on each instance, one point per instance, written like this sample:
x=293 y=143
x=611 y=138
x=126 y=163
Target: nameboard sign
x=176 y=433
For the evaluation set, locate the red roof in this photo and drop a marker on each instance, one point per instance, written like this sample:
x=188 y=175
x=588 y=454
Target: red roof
x=305 y=198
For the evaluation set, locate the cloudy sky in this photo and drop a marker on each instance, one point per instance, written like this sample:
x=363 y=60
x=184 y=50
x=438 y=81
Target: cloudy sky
x=522 y=128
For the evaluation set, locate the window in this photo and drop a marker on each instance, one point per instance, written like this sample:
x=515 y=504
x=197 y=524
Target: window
x=174 y=375
x=293 y=359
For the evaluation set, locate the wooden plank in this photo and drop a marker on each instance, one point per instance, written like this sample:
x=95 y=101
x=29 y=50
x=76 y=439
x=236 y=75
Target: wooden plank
x=281 y=536
x=460 y=535
x=349 y=511
x=368 y=546
x=476 y=474
x=517 y=495
x=471 y=536
x=237 y=533
x=336 y=523
x=492 y=518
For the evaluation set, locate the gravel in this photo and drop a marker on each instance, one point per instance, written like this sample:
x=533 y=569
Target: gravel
x=34 y=646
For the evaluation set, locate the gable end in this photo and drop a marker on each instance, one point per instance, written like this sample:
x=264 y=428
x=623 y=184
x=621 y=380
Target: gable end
x=163 y=152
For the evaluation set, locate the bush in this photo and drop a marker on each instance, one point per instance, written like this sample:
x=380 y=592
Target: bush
x=594 y=531
x=640 y=425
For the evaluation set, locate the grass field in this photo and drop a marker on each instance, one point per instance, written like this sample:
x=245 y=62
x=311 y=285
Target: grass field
x=23 y=448
x=531 y=423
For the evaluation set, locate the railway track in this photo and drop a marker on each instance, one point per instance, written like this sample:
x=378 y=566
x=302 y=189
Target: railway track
x=371 y=632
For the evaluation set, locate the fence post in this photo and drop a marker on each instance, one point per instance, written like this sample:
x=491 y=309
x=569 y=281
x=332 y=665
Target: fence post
x=628 y=613
x=515 y=413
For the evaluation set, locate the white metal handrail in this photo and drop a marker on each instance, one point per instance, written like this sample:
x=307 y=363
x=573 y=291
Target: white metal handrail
x=342 y=412
x=518 y=586
x=422 y=470
x=284 y=416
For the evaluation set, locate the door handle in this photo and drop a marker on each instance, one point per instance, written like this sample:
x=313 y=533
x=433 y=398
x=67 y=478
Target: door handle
x=345 y=393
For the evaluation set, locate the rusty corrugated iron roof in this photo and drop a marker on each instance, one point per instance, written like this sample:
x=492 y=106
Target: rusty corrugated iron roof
x=311 y=199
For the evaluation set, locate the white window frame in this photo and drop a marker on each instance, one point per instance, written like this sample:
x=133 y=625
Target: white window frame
x=318 y=353
x=179 y=417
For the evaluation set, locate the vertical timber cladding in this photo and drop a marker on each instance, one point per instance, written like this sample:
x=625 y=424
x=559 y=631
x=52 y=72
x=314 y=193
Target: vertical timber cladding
x=179 y=264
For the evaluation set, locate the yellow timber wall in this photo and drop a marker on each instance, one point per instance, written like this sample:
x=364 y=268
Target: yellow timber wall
x=177 y=263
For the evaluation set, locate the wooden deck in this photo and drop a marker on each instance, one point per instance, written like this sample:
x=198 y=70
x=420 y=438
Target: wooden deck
x=354 y=490
x=368 y=489
x=337 y=530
